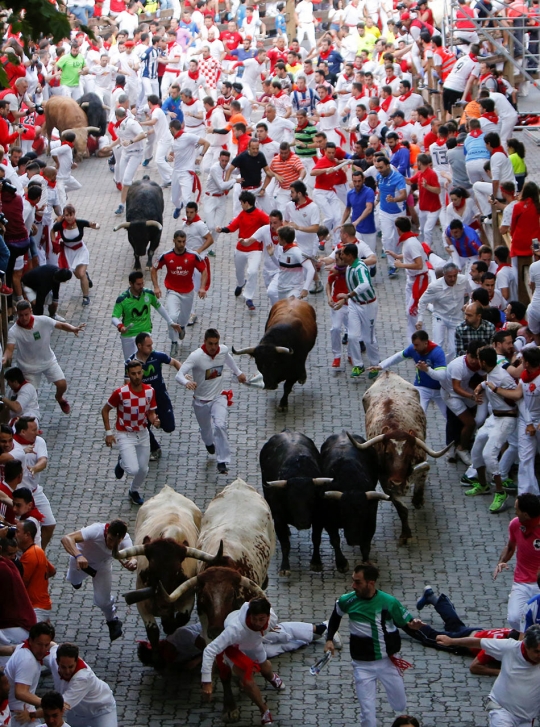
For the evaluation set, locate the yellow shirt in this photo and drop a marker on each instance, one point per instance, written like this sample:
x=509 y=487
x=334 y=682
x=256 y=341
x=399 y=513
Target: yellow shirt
x=374 y=31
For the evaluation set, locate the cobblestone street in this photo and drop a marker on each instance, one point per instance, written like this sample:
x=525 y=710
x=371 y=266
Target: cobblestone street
x=455 y=542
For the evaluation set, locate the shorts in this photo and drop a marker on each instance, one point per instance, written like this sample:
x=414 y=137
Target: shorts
x=52 y=373
x=457 y=404
x=44 y=506
x=450 y=97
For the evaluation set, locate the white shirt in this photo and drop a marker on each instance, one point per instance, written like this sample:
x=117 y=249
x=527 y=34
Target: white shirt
x=22 y=668
x=502 y=379
x=64 y=155
x=459 y=75
x=327 y=123
x=270 y=262
x=501 y=168
x=439 y=156
x=458 y=370
x=216 y=48
x=352 y=16
x=161 y=128
x=507 y=278
x=531 y=397
x=128 y=65
x=28 y=399
x=194 y=108
x=517 y=688
x=128 y=130
x=185 y=82
x=292 y=265
x=216 y=121
x=33 y=346
x=29 y=215
x=29 y=460
x=185 y=149
x=280 y=129
x=304 y=11
x=195 y=234
x=304 y=216
x=447 y=300
x=252 y=72
x=534 y=277
x=467 y=213
x=281 y=103
x=215 y=183
x=503 y=107
x=94 y=547
x=414 y=101
x=127 y=21
x=207 y=372
x=412 y=249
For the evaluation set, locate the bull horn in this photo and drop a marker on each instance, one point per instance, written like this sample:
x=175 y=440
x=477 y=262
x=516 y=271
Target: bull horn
x=106 y=108
x=432 y=452
x=141 y=594
x=201 y=555
x=243 y=350
x=369 y=443
x=322 y=480
x=132 y=552
x=121 y=226
x=154 y=223
x=283 y=349
x=66 y=130
x=252 y=586
x=95 y=129
x=85 y=104
x=184 y=588
x=374 y=495
x=276 y=483
x=333 y=495
x=422 y=467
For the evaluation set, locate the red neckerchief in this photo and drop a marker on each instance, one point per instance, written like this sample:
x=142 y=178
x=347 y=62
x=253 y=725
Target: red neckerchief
x=19 y=439
x=50 y=184
x=473 y=57
x=471 y=368
x=485 y=76
x=406 y=236
x=325 y=54
x=305 y=204
x=203 y=347
x=178 y=134
x=195 y=77
x=490 y=116
x=105 y=530
x=326 y=100
x=33 y=202
x=389 y=80
x=280 y=94
x=426 y=122
x=248 y=624
x=440 y=142
x=118 y=87
x=93 y=47
x=209 y=114
x=26 y=645
x=28 y=327
x=67 y=143
x=430 y=346
x=171 y=45
x=396 y=148
x=303 y=126
x=385 y=103
x=309 y=73
x=195 y=219
x=80 y=666
x=288 y=247
x=475 y=133
x=405 y=96
x=117 y=123
x=498 y=148
x=268 y=140
x=501 y=266
x=528 y=376
x=190 y=103
x=35 y=513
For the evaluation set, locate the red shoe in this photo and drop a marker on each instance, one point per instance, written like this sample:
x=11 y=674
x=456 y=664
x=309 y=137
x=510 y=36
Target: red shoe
x=267 y=718
x=4 y=290
x=119 y=186
x=64 y=405
x=336 y=363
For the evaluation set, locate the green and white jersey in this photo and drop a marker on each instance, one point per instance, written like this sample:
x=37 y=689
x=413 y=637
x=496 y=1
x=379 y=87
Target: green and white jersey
x=359 y=282
x=373 y=623
x=136 y=312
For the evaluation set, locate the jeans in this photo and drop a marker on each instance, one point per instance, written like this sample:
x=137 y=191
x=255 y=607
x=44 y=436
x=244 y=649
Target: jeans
x=4 y=255
x=453 y=626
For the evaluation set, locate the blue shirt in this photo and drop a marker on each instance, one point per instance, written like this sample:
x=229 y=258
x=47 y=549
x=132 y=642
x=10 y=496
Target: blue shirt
x=391 y=185
x=152 y=373
x=173 y=105
x=435 y=359
x=241 y=54
x=401 y=160
x=150 y=63
x=531 y=614
x=192 y=27
x=357 y=202
x=468 y=244
x=280 y=23
x=474 y=147
x=334 y=61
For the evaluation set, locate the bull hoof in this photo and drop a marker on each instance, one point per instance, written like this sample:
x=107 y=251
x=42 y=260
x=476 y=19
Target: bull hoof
x=231 y=715
x=343 y=567
x=418 y=504
x=283 y=408
x=315 y=567
x=284 y=573
x=404 y=539
x=302 y=381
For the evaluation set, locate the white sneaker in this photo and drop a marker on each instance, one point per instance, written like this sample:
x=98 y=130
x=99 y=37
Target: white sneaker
x=464 y=456
x=338 y=643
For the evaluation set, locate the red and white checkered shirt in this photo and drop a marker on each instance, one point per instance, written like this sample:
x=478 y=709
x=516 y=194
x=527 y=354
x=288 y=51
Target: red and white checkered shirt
x=132 y=407
x=211 y=70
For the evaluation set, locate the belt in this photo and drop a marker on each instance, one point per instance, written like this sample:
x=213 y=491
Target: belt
x=256 y=187
x=365 y=302
x=221 y=194
x=505 y=413
x=173 y=70
x=196 y=126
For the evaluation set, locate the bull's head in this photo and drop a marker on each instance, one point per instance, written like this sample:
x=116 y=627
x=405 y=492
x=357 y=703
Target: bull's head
x=145 y=223
x=81 y=139
x=273 y=362
x=219 y=592
x=301 y=495
x=397 y=459
x=354 y=512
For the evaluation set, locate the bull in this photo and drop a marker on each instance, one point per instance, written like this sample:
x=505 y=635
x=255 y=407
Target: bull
x=96 y=112
x=396 y=429
x=144 y=219
x=238 y=525
x=352 y=503
x=166 y=532
x=289 y=335
x=65 y=114
x=291 y=478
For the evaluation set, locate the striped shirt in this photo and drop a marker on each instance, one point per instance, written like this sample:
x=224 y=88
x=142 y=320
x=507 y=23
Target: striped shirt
x=305 y=136
x=289 y=169
x=359 y=282
x=150 y=63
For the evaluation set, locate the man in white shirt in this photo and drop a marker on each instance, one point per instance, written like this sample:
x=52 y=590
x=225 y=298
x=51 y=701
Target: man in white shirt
x=184 y=152
x=30 y=336
x=216 y=189
x=303 y=215
x=128 y=65
x=63 y=158
x=22 y=399
x=501 y=171
x=459 y=81
x=92 y=550
x=327 y=115
x=205 y=367
x=160 y=139
x=305 y=26
x=52 y=707
x=279 y=128
x=194 y=113
x=508 y=116
x=295 y=273
x=131 y=136
x=215 y=119
x=173 y=66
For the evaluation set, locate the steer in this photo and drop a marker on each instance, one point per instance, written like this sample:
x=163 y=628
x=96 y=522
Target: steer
x=144 y=218
x=352 y=504
x=289 y=335
x=166 y=530
x=237 y=524
x=65 y=114
x=95 y=110
x=291 y=477
x=396 y=429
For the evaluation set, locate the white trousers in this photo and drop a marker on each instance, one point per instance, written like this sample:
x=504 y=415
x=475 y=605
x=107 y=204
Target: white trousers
x=280 y=199
x=475 y=171
x=366 y=675
x=150 y=86
x=507 y=128
x=275 y=292
x=179 y=307
x=166 y=81
x=15 y=635
x=109 y=719
x=164 y=168
x=181 y=188
x=128 y=346
x=517 y=602
x=362 y=328
x=434 y=395
x=489 y=441
x=101 y=583
x=306 y=30
x=389 y=234
x=339 y=322
x=212 y=419
x=118 y=154
x=527 y=448
x=328 y=204
x=75 y=92
x=134 y=455
x=502 y=718
x=129 y=163
x=247 y=269
x=409 y=300
x=428 y=220
x=62 y=187
x=444 y=335
x=370 y=238
x=482 y=192
x=214 y=213
x=309 y=163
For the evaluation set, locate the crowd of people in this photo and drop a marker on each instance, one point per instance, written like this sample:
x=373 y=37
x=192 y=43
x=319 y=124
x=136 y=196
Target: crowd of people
x=357 y=141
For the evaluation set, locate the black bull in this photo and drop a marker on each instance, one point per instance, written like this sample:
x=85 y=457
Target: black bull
x=95 y=111
x=144 y=218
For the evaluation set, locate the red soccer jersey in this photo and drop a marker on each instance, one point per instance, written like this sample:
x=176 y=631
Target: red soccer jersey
x=338 y=284
x=328 y=181
x=180 y=270
x=340 y=154
x=429 y=201
x=274 y=56
x=132 y=407
x=6 y=511
x=230 y=40
x=247 y=224
x=480 y=654
x=429 y=138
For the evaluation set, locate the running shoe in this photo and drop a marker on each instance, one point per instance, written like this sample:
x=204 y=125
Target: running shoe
x=464 y=456
x=182 y=333
x=135 y=498
x=478 y=489
x=509 y=486
x=277 y=683
x=428 y=596
x=317 y=288
x=118 y=470
x=250 y=304
x=499 y=503
x=211 y=448
x=392 y=272
x=115 y=629
x=119 y=210
x=176 y=213
x=174 y=348
x=5 y=290
x=154 y=456
x=238 y=290
x=64 y=405
x=119 y=186
x=192 y=320
x=373 y=374
x=336 y=363
x=345 y=339
x=357 y=371
x=86 y=300
x=468 y=481
x=147 y=162
x=222 y=468
x=267 y=719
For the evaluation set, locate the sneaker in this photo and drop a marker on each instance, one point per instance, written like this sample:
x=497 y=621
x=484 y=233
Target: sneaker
x=64 y=405
x=250 y=304
x=176 y=213
x=345 y=339
x=90 y=283
x=211 y=448
x=147 y=162
x=86 y=300
x=192 y=320
x=509 y=486
x=6 y=290
x=154 y=456
x=167 y=184
x=135 y=498
x=182 y=333
x=499 y=502
x=428 y=596
x=174 y=348
x=317 y=288
x=222 y=468
x=468 y=481
x=478 y=489
x=277 y=683
x=392 y=272
x=119 y=210
x=357 y=371
x=76 y=586
x=118 y=470
x=211 y=253
x=115 y=629
x=267 y=719
x=336 y=363
x=238 y=290
x=373 y=375
x=464 y=456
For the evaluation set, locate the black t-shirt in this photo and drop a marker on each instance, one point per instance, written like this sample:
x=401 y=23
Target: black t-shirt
x=250 y=168
x=41 y=281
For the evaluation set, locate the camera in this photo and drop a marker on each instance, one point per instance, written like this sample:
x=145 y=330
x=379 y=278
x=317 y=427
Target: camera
x=3 y=219
x=7 y=186
x=12 y=532
x=39 y=110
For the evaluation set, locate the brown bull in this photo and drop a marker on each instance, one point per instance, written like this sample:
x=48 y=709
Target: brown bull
x=65 y=114
x=396 y=429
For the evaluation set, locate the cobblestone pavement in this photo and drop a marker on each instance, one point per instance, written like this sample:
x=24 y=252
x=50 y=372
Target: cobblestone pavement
x=455 y=545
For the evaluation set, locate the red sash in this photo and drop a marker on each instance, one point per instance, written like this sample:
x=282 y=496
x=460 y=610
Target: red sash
x=419 y=287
